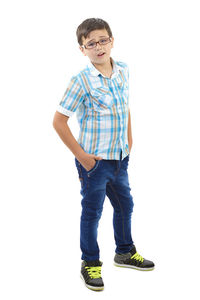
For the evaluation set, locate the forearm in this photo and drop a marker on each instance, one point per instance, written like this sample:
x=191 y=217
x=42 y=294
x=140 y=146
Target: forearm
x=68 y=139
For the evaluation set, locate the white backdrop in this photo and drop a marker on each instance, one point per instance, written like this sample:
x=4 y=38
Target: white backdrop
x=40 y=190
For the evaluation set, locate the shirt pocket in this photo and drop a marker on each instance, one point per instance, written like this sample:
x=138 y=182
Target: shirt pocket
x=124 y=90
x=102 y=98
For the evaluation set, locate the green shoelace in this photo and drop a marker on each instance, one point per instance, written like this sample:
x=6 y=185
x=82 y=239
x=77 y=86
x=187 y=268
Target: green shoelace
x=137 y=256
x=94 y=272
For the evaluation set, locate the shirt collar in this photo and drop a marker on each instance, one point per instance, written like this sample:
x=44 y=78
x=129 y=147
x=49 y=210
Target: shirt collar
x=96 y=72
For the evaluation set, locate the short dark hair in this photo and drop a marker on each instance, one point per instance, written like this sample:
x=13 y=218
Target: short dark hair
x=89 y=25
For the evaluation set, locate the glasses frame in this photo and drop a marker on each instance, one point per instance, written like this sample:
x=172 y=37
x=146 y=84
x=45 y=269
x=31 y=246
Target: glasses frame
x=85 y=46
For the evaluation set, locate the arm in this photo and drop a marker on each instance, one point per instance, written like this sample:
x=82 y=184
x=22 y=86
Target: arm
x=64 y=132
x=130 y=140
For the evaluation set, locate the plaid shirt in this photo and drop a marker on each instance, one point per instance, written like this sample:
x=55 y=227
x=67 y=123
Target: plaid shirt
x=101 y=105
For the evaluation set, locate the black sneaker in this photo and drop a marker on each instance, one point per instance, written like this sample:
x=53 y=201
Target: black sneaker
x=133 y=260
x=91 y=275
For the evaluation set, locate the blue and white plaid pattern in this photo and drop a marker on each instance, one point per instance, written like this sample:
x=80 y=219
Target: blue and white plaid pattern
x=101 y=105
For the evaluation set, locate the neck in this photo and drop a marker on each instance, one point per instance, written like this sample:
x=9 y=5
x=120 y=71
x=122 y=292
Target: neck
x=106 y=68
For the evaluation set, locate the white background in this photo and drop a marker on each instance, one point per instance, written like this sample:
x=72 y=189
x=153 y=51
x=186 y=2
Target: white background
x=40 y=190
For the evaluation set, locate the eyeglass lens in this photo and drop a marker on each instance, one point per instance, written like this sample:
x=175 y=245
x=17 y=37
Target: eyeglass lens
x=103 y=41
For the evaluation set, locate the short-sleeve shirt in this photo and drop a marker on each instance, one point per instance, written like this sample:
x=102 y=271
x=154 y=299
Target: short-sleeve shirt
x=101 y=105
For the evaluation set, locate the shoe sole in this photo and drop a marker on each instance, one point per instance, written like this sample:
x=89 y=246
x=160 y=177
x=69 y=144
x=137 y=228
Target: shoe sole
x=132 y=267
x=93 y=288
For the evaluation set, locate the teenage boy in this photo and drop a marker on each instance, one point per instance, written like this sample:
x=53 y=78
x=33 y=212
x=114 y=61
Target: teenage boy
x=99 y=94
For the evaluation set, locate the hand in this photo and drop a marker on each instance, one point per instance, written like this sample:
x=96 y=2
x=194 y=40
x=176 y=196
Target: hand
x=88 y=161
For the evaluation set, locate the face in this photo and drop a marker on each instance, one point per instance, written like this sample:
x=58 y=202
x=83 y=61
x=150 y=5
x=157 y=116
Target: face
x=94 y=53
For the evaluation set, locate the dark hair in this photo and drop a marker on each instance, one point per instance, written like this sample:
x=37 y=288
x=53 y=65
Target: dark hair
x=89 y=25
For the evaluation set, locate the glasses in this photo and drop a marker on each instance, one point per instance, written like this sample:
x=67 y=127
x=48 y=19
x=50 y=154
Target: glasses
x=103 y=41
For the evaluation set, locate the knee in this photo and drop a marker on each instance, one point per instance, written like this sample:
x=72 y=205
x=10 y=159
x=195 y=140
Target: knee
x=91 y=213
x=129 y=206
x=131 y=203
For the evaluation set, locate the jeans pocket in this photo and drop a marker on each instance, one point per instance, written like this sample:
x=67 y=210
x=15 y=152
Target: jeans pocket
x=92 y=171
x=125 y=162
x=78 y=166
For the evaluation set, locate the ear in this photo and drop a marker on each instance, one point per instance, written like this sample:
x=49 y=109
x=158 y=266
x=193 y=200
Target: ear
x=82 y=50
x=112 y=43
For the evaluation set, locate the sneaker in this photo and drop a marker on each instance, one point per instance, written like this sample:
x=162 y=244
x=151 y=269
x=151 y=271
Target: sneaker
x=133 y=260
x=91 y=275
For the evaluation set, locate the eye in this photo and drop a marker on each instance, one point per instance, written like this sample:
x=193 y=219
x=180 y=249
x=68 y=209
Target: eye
x=103 y=41
x=92 y=44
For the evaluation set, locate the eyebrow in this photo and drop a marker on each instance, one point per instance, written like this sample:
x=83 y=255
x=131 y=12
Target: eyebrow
x=94 y=39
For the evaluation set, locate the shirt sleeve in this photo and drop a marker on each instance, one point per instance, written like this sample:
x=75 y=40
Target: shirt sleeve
x=72 y=98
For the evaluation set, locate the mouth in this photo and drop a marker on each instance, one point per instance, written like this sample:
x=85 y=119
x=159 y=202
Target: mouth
x=101 y=54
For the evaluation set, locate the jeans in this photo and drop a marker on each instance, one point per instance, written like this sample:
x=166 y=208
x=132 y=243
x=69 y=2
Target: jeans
x=107 y=178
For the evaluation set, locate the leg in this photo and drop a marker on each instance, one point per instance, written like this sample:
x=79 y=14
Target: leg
x=118 y=191
x=93 y=190
x=92 y=206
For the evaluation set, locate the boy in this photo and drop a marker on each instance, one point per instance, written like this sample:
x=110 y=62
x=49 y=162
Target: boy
x=99 y=95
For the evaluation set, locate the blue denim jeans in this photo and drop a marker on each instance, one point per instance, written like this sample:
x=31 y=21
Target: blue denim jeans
x=107 y=178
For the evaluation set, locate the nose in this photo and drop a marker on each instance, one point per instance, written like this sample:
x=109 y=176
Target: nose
x=98 y=46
